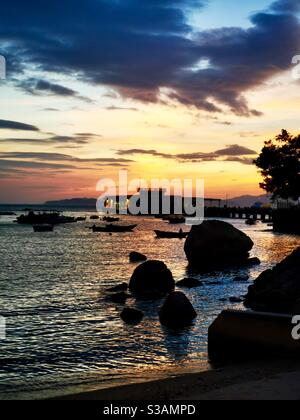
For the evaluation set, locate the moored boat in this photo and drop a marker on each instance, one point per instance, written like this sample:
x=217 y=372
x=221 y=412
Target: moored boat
x=113 y=228
x=171 y=235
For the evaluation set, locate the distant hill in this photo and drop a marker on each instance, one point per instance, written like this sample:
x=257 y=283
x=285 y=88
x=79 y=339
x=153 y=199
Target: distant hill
x=90 y=203
x=248 y=200
x=73 y=202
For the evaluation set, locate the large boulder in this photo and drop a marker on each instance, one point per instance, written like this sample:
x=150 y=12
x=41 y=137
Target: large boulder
x=151 y=280
x=216 y=245
x=177 y=311
x=277 y=290
x=119 y=288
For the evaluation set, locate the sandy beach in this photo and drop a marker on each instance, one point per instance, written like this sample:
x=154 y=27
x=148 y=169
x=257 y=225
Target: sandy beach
x=276 y=380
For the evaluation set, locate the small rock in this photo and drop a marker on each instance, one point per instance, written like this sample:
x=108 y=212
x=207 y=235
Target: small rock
x=253 y=261
x=119 y=288
x=131 y=315
x=189 y=283
x=241 y=279
x=177 y=311
x=235 y=299
x=119 y=297
x=137 y=257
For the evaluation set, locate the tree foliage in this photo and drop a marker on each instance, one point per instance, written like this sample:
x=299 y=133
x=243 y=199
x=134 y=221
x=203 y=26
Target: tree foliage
x=279 y=163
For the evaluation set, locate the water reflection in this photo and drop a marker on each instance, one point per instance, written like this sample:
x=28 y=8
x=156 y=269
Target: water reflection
x=62 y=331
x=177 y=343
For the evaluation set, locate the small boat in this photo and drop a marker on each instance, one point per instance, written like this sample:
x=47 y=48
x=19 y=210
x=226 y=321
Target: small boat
x=94 y=217
x=111 y=219
x=171 y=235
x=43 y=228
x=251 y=222
x=113 y=228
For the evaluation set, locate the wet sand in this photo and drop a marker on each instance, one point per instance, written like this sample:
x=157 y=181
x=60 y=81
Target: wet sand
x=276 y=380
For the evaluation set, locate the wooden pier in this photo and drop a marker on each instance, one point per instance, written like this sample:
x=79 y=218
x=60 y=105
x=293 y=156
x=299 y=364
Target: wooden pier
x=263 y=214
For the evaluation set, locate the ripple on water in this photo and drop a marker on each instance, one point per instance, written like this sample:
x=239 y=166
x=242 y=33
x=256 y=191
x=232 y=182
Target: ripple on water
x=61 y=332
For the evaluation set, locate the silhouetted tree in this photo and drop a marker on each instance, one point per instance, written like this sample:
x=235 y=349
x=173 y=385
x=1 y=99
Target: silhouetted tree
x=279 y=162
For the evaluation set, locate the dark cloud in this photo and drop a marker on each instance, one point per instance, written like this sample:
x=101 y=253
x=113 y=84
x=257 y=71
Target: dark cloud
x=286 y=6
x=68 y=139
x=235 y=150
x=17 y=164
x=43 y=87
x=14 y=164
x=117 y=108
x=56 y=157
x=88 y=135
x=244 y=161
x=138 y=47
x=76 y=140
x=51 y=109
x=144 y=152
x=232 y=153
x=14 y=125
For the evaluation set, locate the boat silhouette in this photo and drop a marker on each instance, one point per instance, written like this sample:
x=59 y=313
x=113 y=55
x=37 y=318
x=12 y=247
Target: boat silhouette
x=171 y=235
x=113 y=228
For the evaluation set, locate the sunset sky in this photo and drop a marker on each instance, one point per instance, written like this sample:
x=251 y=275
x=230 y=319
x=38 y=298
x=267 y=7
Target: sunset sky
x=163 y=88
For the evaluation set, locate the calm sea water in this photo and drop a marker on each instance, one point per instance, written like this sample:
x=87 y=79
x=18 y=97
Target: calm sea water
x=63 y=336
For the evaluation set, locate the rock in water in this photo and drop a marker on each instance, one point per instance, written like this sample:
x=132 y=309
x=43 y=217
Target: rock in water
x=189 y=283
x=235 y=299
x=216 y=245
x=253 y=261
x=119 y=297
x=177 y=311
x=119 y=288
x=151 y=280
x=137 y=257
x=241 y=279
x=131 y=316
x=277 y=290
